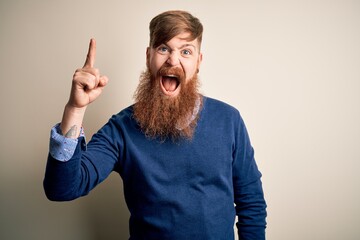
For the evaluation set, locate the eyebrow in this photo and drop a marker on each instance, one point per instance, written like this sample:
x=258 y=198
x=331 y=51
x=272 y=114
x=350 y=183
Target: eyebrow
x=188 y=45
x=182 y=46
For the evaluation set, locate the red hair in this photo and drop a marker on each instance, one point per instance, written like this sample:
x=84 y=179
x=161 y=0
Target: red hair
x=169 y=24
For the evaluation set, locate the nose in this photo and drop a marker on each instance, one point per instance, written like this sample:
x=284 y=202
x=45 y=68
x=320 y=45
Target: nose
x=173 y=59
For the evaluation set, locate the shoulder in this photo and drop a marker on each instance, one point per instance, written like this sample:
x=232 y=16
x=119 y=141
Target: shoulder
x=119 y=125
x=218 y=107
x=124 y=115
x=120 y=121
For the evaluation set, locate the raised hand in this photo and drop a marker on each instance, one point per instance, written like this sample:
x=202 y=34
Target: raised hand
x=87 y=85
x=87 y=82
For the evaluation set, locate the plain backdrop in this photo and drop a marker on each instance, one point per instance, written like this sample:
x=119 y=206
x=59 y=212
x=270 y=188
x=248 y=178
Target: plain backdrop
x=292 y=68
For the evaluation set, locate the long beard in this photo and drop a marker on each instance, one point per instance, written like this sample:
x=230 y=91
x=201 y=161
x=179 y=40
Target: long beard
x=163 y=117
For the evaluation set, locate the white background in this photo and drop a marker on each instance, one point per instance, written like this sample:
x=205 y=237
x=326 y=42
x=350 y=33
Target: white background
x=292 y=68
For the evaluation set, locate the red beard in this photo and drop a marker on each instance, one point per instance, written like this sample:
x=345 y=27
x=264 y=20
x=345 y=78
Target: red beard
x=160 y=116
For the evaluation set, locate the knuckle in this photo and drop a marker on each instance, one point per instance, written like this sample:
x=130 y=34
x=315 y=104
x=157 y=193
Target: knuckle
x=96 y=71
x=76 y=75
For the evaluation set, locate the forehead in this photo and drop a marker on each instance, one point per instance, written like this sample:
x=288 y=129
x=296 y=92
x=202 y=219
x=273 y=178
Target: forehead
x=183 y=39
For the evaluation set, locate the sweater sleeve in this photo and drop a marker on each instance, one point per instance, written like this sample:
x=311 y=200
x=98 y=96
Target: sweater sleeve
x=249 y=199
x=88 y=166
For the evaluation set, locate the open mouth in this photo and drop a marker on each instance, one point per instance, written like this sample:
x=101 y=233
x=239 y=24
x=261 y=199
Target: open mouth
x=169 y=84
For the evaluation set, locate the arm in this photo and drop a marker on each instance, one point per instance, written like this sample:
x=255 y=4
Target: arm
x=248 y=192
x=68 y=180
x=70 y=176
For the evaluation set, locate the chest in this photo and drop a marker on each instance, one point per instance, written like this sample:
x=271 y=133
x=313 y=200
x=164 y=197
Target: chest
x=205 y=158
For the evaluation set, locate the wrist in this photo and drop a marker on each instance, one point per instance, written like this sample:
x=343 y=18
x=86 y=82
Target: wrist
x=72 y=121
x=75 y=111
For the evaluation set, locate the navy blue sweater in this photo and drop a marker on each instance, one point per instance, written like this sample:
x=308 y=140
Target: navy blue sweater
x=174 y=190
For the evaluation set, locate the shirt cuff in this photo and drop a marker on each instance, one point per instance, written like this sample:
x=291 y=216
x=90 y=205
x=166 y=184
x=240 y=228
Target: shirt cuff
x=62 y=148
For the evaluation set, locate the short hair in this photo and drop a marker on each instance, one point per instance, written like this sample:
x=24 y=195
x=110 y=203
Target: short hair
x=169 y=24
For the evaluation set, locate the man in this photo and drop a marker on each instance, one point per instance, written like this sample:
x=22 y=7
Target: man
x=185 y=159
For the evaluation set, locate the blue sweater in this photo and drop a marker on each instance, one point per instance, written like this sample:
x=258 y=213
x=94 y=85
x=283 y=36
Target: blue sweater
x=174 y=190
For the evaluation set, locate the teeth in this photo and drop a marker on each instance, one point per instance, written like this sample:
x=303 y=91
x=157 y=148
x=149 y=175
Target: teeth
x=173 y=76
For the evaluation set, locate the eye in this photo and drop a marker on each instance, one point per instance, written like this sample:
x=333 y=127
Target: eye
x=162 y=49
x=186 y=52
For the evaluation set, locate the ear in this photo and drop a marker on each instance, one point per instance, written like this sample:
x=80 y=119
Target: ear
x=148 y=57
x=199 y=61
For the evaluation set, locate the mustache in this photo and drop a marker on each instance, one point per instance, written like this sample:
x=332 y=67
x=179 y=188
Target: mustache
x=172 y=71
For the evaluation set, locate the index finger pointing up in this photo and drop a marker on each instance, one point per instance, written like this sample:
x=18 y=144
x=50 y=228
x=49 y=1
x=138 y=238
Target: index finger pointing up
x=90 y=58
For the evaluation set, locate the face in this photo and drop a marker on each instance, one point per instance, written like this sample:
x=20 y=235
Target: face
x=174 y=63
